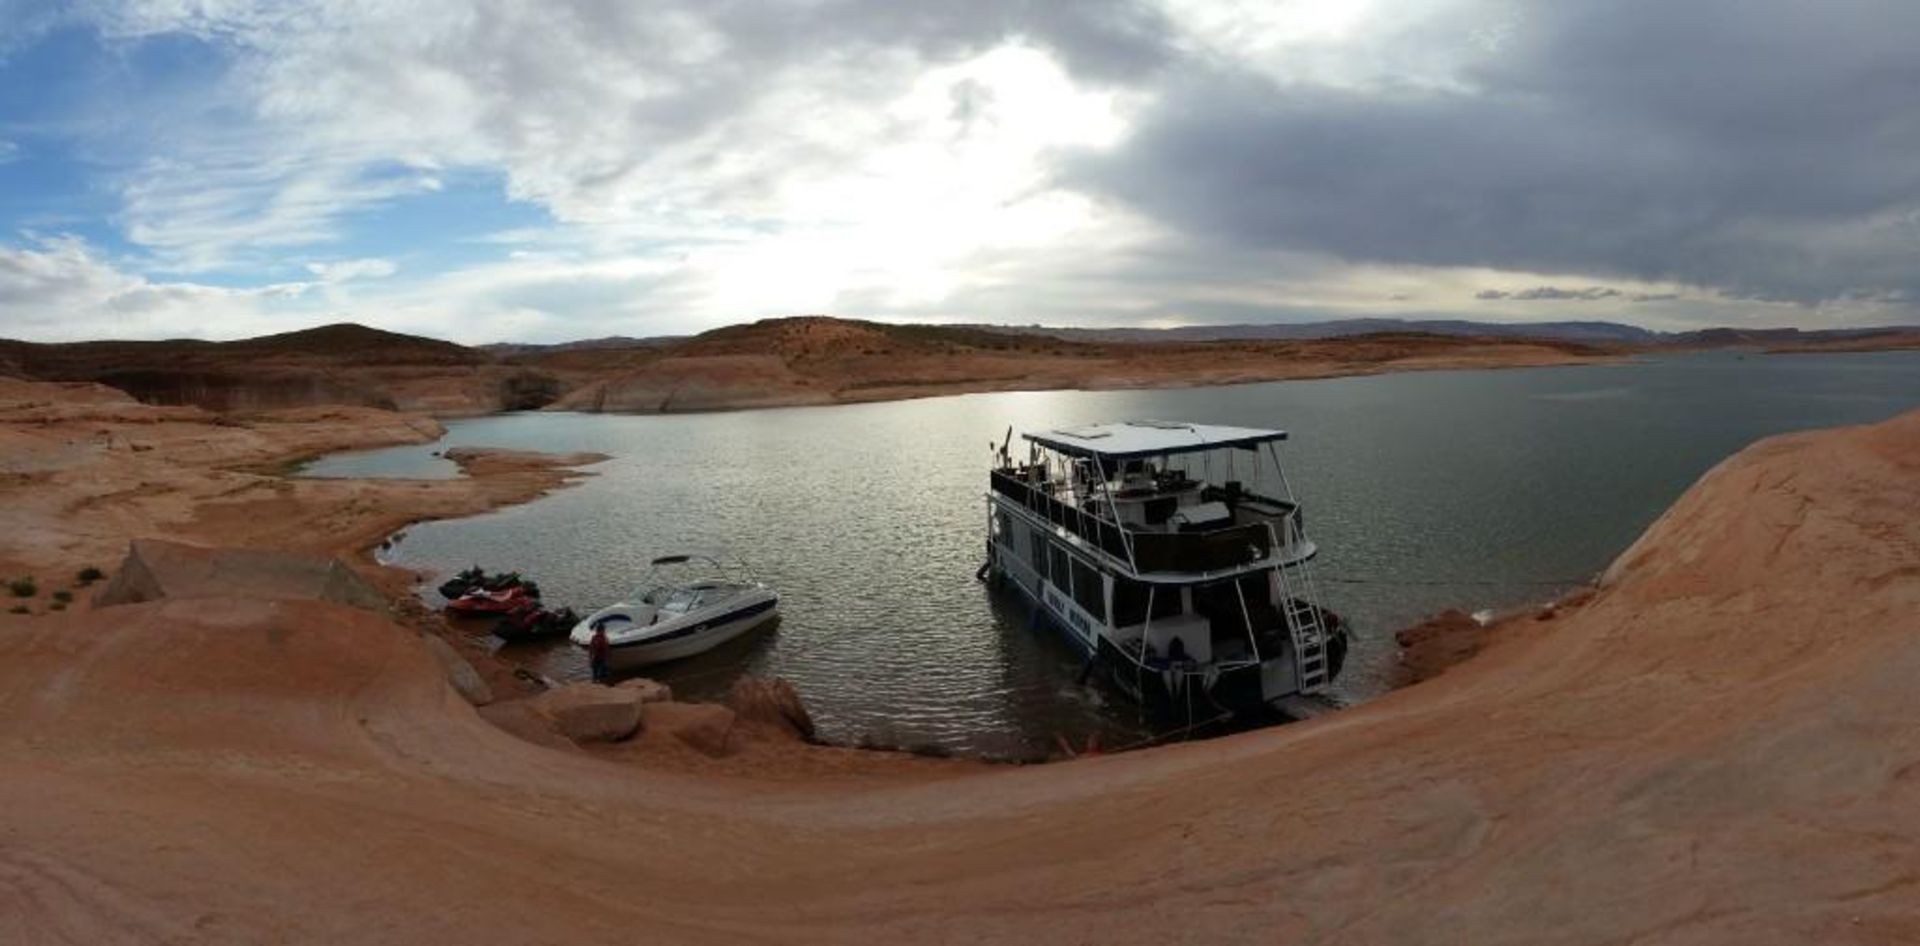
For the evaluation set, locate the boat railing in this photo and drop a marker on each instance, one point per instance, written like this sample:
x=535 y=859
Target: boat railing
x=1146 y=551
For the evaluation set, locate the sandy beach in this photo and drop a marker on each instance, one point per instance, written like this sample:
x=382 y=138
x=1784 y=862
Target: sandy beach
x=1716 y=746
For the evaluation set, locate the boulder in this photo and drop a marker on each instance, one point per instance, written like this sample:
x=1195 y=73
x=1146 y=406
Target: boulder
x=651 y=691
x=460 y=673
x=771 y=702
x=156 y=569
x=519 y=718
x=707 y=728
x=587 y=712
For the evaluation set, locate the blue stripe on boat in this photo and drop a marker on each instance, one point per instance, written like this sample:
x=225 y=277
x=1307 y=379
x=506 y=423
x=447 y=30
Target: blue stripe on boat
x=728 y=618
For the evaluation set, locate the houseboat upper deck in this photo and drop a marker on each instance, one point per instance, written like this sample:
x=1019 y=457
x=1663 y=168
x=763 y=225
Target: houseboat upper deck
x=1161 y=501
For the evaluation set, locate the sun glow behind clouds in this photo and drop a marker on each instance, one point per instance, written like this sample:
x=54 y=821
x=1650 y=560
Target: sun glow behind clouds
x=964 y=174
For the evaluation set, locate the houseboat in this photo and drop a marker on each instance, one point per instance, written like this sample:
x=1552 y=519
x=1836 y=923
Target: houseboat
x=1173 y=555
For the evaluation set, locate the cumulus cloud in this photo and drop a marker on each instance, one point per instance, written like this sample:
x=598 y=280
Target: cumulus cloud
x=691 y=116
x=59 y=288
x=344 y=270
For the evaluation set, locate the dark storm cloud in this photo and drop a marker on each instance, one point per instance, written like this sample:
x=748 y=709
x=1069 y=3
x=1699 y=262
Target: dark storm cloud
x=1098 y=40
x=1765 y=149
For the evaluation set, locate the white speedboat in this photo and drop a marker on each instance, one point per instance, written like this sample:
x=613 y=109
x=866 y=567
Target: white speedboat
x=688 y=604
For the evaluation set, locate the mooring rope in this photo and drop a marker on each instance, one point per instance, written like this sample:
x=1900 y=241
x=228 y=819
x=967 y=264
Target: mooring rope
x=1171 y=733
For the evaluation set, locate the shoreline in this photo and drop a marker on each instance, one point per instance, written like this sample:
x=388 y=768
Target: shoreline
x=89 y=468
x=290 y=467
x=1720 y=749
x=591 y=397
x=357 y=516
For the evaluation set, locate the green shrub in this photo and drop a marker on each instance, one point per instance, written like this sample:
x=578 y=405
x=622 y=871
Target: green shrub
x=20 y=609
x=63 y=596
x=23 y=587
x=90 y=574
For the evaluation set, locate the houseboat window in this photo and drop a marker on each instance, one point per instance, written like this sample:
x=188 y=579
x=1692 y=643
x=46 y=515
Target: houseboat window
x=1129 y=602
x=1037 y=551
x=1087 y=590
x=1059 y=566
x=1220 y=602
x=1169 y=601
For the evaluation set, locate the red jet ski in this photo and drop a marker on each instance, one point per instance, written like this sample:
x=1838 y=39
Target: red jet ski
x=480 y=602
x=530 y=621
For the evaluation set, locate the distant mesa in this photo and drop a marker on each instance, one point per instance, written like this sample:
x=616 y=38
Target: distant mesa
x=818 y=359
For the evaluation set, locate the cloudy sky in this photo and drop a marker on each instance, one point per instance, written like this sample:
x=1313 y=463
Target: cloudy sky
x=513 y=169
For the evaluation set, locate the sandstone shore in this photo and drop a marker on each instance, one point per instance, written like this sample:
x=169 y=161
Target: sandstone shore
x=85 y=468
x=1717 y=746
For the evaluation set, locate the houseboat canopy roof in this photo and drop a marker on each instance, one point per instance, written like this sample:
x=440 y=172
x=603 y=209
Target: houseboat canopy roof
x=1125 y=440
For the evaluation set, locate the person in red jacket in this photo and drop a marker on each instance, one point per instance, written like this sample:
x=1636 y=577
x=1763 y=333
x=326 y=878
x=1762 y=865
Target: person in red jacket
x=598 y=652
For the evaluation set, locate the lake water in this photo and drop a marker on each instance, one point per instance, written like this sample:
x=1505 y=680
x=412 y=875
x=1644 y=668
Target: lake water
x=1425 y=491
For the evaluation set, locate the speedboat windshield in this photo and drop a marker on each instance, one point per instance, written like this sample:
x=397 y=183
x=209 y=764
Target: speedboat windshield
x=679 y=601
x=680 y=582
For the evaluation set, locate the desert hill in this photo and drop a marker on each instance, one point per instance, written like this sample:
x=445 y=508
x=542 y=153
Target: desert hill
x=1890 y=340
x=360 y=344
x=343 y=364
x=824 y=360
x=1581 y=331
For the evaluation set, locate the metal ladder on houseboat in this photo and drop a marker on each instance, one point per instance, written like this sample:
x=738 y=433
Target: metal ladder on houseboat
x=1305 y=626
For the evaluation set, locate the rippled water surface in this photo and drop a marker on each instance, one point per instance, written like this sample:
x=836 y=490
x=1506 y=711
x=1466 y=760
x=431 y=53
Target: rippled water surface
x=1425 y=491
